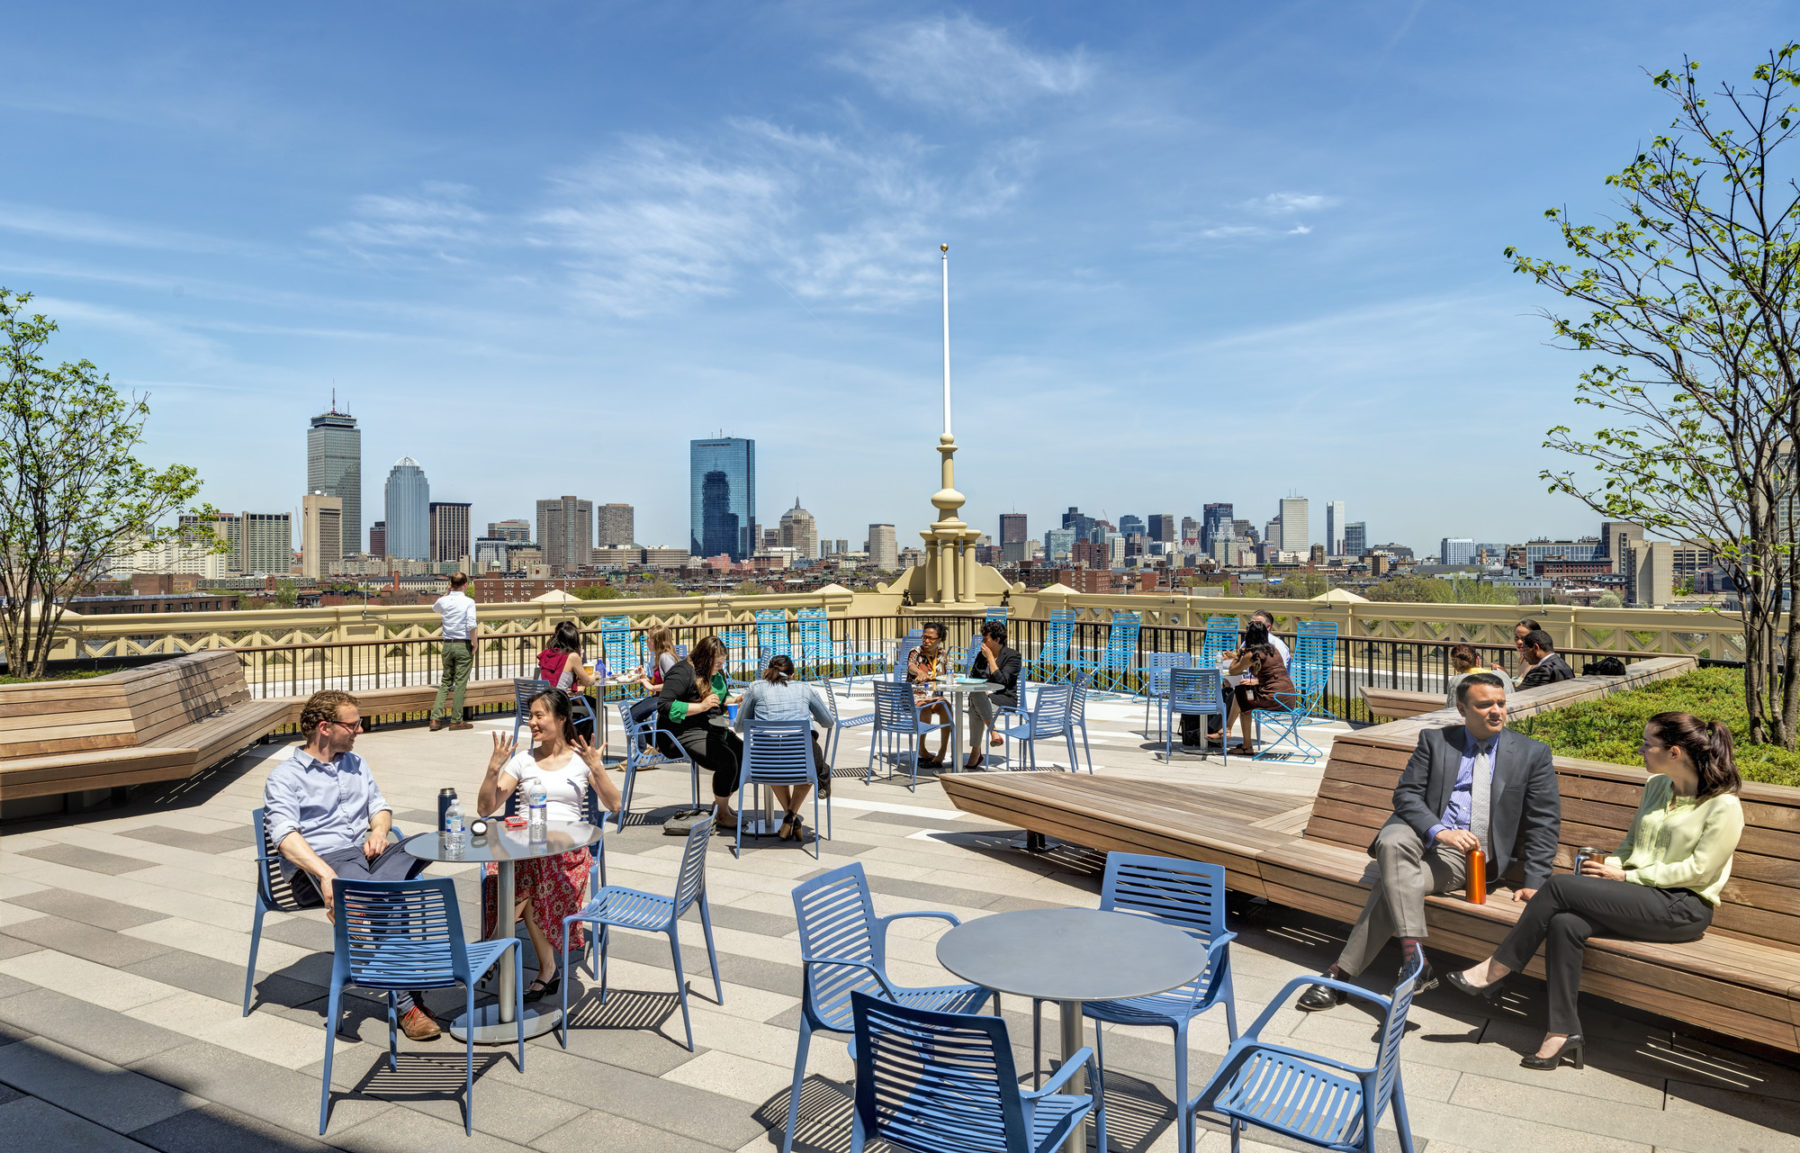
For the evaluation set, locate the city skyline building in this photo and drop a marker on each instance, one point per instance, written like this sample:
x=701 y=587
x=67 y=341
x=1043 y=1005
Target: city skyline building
x=1014 y=537
x=565 y=532
x=228 y=527
x=268 y=543
x=1456 y=550
x=1059 y=543
x=450 y=531
x=408 y=500
x=321 y=534
x=799 y=531
x=334 y=467
x=1129 y=524
x=1296 y=528
x=490 y=553
x=1334 y=528
x=516 y=531
x=1162 y=527
x=883 y=547
x=1356 y=539
x=615 y=526
x=378 y=538
x=1212 y=518
x=722 y=497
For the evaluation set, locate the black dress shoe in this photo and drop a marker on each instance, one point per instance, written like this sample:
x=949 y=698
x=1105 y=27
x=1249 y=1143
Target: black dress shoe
x=1570 y=1051
x=1428 y=980
x=1488 y=992
x=1320 y=997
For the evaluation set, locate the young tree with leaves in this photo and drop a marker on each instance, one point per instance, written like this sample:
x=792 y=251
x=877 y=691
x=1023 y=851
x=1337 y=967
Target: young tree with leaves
x=1692 y=296
x=72 y=490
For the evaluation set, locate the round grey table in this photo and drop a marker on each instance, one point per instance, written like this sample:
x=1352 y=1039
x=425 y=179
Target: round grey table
x=1070 y=956
x=492 y=1023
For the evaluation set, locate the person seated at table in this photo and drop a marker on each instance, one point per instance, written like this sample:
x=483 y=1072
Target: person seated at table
x=547 y=889
x=1520 y=631
x=692 y=704
x=651 y=673
x=1661 y=885
x=561 y=663
x=1464 y=662
x=778 y=697
x=1265 y=683
x=925 y=665
x=327 y=818
x=1547 y=665
x=1000 y=665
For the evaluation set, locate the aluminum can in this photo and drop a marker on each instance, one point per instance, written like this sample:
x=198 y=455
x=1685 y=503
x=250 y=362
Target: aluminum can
x=1584 y=853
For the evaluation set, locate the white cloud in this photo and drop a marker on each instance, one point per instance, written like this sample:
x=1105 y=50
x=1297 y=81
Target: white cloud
x=88 y=228
x=960 y=64
x=1289 y=203
x=438 y=221
x=1299 y=230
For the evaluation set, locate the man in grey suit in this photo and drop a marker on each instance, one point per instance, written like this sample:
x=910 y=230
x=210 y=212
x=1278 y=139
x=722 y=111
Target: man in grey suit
x=1466 y=786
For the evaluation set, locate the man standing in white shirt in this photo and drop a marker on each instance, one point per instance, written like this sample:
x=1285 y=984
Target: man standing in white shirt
x=458 y=612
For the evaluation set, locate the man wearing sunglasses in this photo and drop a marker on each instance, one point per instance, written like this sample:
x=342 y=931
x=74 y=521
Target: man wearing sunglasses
x=327 y=817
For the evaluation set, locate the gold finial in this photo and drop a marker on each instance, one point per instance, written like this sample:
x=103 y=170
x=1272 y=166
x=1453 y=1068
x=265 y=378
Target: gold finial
x=943 y=248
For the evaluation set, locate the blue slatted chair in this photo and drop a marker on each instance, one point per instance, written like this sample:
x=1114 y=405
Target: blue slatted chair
x=1052 y=661
x=1048 y=720
x=1310 y=1098
x=1078 y=715
x=617 y=646
x=974 y=650
x=645 y=741
x=1113 y=673
x=843 y=948
x=1189 y=895
x=996 y=616
x=1156 y=682
x=1286 y=723
x=817 y=653
x=1194 y=693
x=394 y=935
x=780 y=753
x=1221 y=636
x=945 y=1083
x=581 y=708
x=737 y=655
x=616 y=907
x=1315 y=647
x=838 y=724
x=897 y=720
x=772 y=633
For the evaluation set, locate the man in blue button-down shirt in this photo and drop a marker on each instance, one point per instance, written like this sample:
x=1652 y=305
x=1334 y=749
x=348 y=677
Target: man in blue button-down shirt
x=326 y=816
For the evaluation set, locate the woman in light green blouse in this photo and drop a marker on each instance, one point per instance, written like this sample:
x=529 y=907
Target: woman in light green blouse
x=1661 y=885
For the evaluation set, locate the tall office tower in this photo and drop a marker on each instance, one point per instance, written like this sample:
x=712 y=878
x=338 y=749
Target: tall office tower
x=1244 y=531
x=800 y=532
x=1059 y=543
x=1272 y=532
x=1222 y=548
x=1190 y=530
x=450 y=531
x=1296 y=531
x=268 y=543
x=321 y=534
x=1356 y=539
x=843 y=546
x=1014 y=537
x=408 y=511
x=1616 y=538
x=1456 y=550
x=1163 y=528
x=883 y=548
x=228 y=527
x=722 y=497
x=616 y=527
x=1129 y=524
x=1212 y=518
x=334 y=467
x=378 y=538
x=1079 y=522
x=490 y=554
x=565 y=531
x=1334 y=528
x=511 y=531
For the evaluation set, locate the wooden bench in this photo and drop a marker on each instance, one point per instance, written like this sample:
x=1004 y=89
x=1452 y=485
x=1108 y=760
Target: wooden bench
x=1741 y=979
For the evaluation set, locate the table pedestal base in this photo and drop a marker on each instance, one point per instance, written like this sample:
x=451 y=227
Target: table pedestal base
x=489 y=1029
x=1073 y=1037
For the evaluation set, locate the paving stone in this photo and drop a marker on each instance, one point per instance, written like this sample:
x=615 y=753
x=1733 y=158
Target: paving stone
x=82 y=1025
x=27 y=1123
x=283 y=1097
x=313 y=933
x=101 y=946
x=80 y=977
x=596 y=1130
x=11 y=946
x=93 y=860
x=402 y=1130
x=750 y=921
x=222 y=980
x=98 y=1090
x=13 y=986
x=88 y=909
x=216 y=1129
x=192 y=841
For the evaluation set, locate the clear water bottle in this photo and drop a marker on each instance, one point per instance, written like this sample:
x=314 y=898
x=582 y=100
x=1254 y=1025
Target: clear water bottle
x=538 y=815
x=454 y=831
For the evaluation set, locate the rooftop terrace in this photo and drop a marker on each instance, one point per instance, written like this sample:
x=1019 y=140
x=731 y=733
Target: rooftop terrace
x=123 y=935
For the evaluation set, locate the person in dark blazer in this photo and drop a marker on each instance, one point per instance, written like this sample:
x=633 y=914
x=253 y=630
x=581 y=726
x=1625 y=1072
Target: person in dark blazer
x=1441 y=812
x=1000 y=665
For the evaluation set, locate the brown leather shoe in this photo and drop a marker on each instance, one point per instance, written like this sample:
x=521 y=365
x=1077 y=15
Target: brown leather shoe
x=418 y=1025
x=462 y=725
x=439 y=724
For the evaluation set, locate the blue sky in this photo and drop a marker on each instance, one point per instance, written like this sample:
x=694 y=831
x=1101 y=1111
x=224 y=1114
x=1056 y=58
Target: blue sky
x=1198 y=252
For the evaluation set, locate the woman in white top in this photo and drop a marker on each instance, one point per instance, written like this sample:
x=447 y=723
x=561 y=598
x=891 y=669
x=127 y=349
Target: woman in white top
x=547 y=888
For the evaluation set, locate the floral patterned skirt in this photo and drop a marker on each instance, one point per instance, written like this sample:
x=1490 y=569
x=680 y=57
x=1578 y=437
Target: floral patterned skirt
x=555 y=886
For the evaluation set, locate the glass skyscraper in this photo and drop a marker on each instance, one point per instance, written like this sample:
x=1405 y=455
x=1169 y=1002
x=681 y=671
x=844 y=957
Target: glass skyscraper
x=334 y=467
x=408 y=511
x=722 y=497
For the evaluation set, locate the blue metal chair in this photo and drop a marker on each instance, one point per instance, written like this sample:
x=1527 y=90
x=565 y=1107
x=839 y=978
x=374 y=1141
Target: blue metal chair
x=897 y=719
x=1156 y=682
x=1309 y=680
x=645 y=745
x=394 y=935
x=1221 y=636
x=994 y=616
x=968 y=664
x=772 y=633
x=1052 y=662
x=1193 y=693
x=617 y=646
x=616 y=907
x=580 y=707
x=1311 y=1098
x=1315 y=647
x=945 y=1083
x=818 y=656
x=1048 y=720
x=1114 y=670
x=843 y=950
x=1189 y=895
x=838 y=724
x=1078 y=715
x=780 y=753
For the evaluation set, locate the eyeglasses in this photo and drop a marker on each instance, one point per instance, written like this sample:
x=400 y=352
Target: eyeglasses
x=353 y=725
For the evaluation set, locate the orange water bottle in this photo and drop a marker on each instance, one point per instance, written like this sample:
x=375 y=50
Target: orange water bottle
x=1477 y=877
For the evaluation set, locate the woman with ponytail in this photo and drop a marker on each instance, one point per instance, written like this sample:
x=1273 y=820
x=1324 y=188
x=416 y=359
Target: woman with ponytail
x=1661 y=885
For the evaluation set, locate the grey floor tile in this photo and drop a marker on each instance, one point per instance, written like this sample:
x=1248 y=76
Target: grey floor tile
x=28 y=1123
x=596 y=1130
x=185 y=839
x=308 y=932
x=707 y=1117
x=924 y=891
x=751 y=921
x=11 y=986
x=11 y=946
x=78 y=940
x=653 y=949
x=429 y=1080
x=89 y=910
x=8 y=1093
x=282 y=1097
x=93 y=860
x=216 y=1129
x=102 y=1092
x=410 y=1131
x=221 y=980
x=112 y=1037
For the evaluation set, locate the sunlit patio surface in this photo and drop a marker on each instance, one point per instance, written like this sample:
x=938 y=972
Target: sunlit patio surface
x=123 y=935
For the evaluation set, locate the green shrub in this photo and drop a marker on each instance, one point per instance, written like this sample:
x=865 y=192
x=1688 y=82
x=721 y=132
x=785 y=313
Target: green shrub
x=1610 y=729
